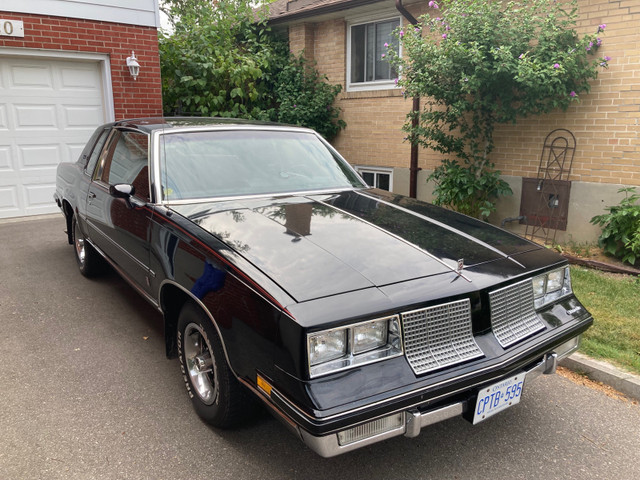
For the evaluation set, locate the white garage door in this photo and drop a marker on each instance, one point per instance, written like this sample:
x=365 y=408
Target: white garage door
x=48 y=110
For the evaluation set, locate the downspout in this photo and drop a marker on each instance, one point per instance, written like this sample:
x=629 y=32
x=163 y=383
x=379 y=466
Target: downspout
x=413 y=168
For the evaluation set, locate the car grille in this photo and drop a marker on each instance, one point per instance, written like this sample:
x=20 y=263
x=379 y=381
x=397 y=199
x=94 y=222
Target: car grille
x=513 y=316
x=439 y=336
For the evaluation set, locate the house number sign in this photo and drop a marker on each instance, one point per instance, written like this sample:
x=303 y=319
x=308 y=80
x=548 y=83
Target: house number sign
x=11 y=28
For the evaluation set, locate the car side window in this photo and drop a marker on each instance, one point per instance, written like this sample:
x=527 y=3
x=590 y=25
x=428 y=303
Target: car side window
x=95 y=153
x=127 y=161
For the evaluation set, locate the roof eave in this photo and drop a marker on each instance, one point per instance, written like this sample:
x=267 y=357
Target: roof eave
x=321 y=10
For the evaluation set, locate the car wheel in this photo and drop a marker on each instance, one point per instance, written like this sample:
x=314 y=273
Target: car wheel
x=217 y=396
x=89 y=261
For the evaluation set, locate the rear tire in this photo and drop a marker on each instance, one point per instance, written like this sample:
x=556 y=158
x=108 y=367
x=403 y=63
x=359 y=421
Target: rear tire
x=90 y=262
x=217 y=396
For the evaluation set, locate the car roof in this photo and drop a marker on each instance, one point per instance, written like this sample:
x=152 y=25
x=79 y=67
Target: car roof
x=151 y=124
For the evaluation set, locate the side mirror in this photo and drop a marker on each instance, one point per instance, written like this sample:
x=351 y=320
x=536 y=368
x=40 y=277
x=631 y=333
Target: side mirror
x=122 y=190
x=126 y=191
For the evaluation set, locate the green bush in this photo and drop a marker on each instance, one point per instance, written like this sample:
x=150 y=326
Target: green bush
x=223 y=60
x=621 y=227
x=480 y=63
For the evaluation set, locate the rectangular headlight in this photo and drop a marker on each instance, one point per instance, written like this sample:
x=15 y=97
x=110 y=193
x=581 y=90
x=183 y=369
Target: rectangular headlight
x=327 y=346
x=353 y=345
x=555 y=281
x=551 y=286
x=369 y=336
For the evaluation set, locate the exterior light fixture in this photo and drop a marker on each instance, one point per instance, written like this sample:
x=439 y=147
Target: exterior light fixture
x=134 y=66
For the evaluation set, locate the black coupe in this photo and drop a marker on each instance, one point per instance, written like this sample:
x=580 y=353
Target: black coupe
x=354 y=314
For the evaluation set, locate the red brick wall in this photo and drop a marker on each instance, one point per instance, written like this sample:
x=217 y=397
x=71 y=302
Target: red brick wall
x=139 y=98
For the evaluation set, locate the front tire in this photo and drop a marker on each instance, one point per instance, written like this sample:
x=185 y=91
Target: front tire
x=89 y=261
x=216 y=395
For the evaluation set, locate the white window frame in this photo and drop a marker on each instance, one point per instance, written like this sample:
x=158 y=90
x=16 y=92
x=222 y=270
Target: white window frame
x=376 y=84
x=376 y=171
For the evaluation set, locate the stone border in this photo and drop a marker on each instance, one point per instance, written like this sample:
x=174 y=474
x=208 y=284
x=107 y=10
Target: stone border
x=600 y=371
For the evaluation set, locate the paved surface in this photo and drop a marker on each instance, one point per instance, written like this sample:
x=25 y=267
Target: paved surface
x=86 y=392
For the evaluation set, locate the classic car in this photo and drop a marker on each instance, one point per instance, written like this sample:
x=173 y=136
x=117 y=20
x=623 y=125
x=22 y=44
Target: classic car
x=352 y=313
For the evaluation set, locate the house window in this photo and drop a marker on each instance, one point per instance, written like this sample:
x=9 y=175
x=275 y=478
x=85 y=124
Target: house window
x=367 y=67
x=377 y=177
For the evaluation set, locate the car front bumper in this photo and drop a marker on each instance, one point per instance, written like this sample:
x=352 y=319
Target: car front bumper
x=410 y=421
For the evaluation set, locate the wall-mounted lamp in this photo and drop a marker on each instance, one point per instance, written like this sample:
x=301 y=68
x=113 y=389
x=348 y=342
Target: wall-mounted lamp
x=134 y=66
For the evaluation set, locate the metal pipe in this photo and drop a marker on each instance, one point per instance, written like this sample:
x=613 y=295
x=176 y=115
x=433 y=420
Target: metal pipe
x=413 y=163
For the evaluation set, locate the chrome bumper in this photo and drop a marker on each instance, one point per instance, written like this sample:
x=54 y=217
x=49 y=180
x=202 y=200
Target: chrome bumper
x=414 y=420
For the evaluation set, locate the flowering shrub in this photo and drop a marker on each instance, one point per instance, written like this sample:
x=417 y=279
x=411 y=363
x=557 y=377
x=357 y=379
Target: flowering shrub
x=222 y=60
x=479 y=63
x=621 y=227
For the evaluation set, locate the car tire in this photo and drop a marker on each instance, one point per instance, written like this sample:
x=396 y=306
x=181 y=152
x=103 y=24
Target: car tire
x=89 y=261
x=217 y=396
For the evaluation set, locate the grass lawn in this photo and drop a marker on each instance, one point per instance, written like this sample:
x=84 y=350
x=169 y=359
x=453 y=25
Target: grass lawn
x=614 y=302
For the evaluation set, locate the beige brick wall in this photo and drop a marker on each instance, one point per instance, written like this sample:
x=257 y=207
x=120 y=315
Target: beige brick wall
x=606 y=122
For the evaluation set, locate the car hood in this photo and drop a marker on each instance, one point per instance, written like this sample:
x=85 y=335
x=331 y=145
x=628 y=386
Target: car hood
x=315 y=246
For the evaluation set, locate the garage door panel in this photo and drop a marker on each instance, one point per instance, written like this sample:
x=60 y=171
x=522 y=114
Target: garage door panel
x=29 y=76
x=4 y=124
x=38 y=196
x=5 y=159
x=9 y=201
x=85 y=117
x=48 y=110
x=35 y=117
x=74 y=77
x=38 y=156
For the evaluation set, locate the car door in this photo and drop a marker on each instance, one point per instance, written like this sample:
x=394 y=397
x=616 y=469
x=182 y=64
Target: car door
x=120 y=227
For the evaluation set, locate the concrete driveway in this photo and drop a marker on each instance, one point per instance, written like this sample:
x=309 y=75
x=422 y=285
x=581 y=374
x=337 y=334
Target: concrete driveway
x=86 y=392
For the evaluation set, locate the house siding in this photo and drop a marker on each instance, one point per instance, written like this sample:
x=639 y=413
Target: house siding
x=132 y=12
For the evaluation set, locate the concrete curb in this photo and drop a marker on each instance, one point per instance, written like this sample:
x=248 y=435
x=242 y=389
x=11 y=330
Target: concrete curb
x=600 y=371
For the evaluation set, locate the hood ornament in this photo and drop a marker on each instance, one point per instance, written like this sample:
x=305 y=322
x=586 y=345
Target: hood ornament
x=460 y=266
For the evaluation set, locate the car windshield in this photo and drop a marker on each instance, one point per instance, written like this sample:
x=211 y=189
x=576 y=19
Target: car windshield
x=199 y=165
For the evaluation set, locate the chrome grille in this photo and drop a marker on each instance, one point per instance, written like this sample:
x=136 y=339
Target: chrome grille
x=439 y=336
x=513 y=316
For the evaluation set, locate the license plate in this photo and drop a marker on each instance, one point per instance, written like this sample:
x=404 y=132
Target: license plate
x=497 y=397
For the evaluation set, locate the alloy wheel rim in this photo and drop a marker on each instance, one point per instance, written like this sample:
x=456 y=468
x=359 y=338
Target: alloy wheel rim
x=200 y=363
x=80 y=247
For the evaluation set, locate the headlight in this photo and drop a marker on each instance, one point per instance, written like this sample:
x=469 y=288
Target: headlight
x=551 y=286
x=345 y=347
x=369 y=336
x=327 y=346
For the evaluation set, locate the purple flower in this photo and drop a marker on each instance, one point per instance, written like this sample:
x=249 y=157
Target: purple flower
x=401 y=33
x=598 y=41
x=294 y=106
x=395 y=80
x=521 y=56
x=417 y=30
x=386 y=45
x=448 y=28
x=601 y=27
x=433 y=4
x=573 y=94
x=556 y=65
x=444 y=36
x=383 y=55
x=607 y=58
x=589 y=46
